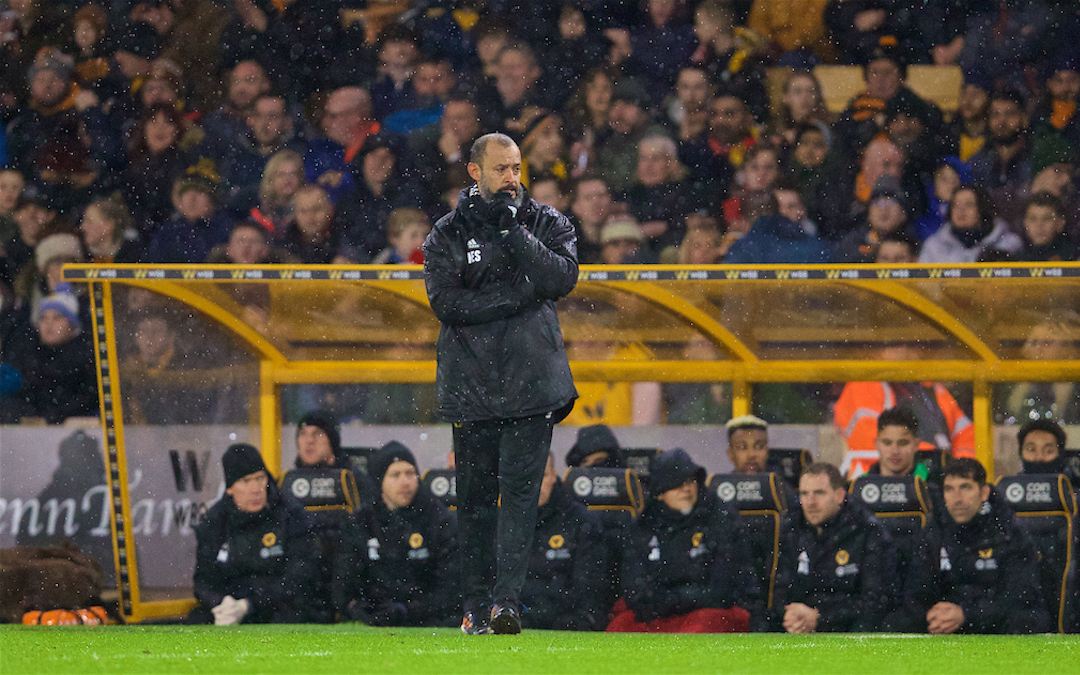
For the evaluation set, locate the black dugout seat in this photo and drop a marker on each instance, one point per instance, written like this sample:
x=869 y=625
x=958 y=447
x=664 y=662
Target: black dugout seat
x=759 y=497
x=788 y=463
x=1046 y=507
x=442 y=484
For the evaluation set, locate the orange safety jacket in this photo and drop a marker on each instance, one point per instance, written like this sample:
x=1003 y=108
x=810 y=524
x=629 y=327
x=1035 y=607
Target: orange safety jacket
x=855 y=417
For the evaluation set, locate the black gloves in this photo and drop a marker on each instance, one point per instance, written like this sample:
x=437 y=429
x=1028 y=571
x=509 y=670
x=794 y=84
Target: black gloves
x=502 y=214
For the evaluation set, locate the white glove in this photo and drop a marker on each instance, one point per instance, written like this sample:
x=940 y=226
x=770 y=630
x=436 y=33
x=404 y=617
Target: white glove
x=230 y=611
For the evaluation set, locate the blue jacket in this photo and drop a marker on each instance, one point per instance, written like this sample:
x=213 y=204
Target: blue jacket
x=775 y=239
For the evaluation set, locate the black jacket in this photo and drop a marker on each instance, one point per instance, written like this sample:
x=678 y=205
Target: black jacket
x=844 y=572
x=269 y=558
x=989 y=567
x=675 y=564
x=566 y=584
x=500 y=350
x=399 y=568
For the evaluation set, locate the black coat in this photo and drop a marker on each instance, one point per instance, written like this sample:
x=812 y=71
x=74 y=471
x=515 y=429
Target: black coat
x=399 y=567
x=269 y=558
x=989 y=567
x=844 y=572
x=566 y=586
x=500 y=350
x=675 y=564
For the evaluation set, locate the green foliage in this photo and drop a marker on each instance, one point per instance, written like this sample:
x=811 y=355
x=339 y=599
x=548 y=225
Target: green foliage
x=358 y=649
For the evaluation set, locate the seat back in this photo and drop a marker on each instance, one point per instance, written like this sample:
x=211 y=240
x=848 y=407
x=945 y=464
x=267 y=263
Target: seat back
x=901 y=503
x=935 y=461
x=937 y=84
x=615 y=493
x=442 y=484
x=1072 y=466
x=788 y=463
x=761 y=503
x=839 y=84
x=1046 y=507
x=637 y=460
x=358 y=458
x=329 y=494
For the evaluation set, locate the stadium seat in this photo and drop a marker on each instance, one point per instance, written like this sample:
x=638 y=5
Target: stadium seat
x=1046 y=507
x=322 y=490
x=1072 y=466
x=935 y=461
x=761 y=504
x=637 y=460
x=615 y=493
x=788 y=463
x=358 y=457
x=839 y=84
x=442 y=484
x=939 y=84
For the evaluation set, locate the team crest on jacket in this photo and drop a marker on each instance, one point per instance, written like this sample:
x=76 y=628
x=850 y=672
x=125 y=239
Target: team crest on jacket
x=269 y=539
x=555 y=548
x=986 y=560
x=556 y=541
x=842 y=557
x=271 y=547
x=416 y=540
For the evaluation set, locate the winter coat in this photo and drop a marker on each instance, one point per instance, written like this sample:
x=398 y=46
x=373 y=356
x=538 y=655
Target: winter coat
x=988 y=566
x=844 y=571
x=944 y=248
x=268 y=558
x=398 y=568
x=500 y=349
x=775 y=239
x=566 y=584
x=675 y=564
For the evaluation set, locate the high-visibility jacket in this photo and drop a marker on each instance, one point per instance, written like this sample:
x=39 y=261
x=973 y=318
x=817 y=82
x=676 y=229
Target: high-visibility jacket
x=856 y=412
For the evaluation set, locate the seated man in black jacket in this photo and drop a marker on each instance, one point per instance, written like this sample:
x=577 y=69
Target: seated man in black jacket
x=686 y=568
x=976 y=571
x=566 y=585
x=256 y=554
x=835 y=560
x=397 y=564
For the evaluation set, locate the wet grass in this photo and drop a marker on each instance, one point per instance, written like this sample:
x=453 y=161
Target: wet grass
x=359 y=649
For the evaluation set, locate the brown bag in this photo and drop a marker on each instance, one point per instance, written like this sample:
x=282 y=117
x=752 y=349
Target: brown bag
x=45 y=578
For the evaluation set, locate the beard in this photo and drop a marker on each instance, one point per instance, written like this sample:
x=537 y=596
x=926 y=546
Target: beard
x=516 y=198
x=1007 y=139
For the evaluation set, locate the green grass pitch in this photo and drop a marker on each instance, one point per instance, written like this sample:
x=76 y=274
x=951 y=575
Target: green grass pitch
x=359 y=649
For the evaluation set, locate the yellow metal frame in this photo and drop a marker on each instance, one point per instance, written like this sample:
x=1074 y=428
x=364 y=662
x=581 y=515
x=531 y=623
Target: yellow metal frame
x=657 y=286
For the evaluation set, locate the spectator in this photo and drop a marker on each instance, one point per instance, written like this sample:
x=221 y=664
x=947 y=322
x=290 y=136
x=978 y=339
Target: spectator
x=1049 y=340
x=661 y=43
x=587 y=115
x=836 y=561
x=897 y=248
x=440 y=151
x=658 y=197
x=108 y=232
x=268 y=130
x=249 y=244
x=580 y=46
x=156 y=160
x=224 y=126
x=406 y=230
x=1045 y=239
x=795 y=26
x=755 y=181
x=34 y=220
x=621 y=240
x=346 y=122
x=543 y=149
x=59 y=376
x=514 y=91
x=697 y=402
x=197 y=225
x=431 y=85
x=775 y=239
x=382 y=184
x=971 y=230
x=686 y=567
x=801 y=104
x=282 y=177
x=1003 y=166
x=397 y=54
x=887 y=214
x=629 y=122
x=39 y=278
x=552 y=191
x=967 y=131
x=313 y=236
x=812 y=170
x=949 y=175
x=589 y=210
x=731 y=55
x=976 y=570
x=256 y=553
x=688 y=110
x=565 y=588
x=398 y=563
x=596 y=445
x=701 y=245
x=1055 y=114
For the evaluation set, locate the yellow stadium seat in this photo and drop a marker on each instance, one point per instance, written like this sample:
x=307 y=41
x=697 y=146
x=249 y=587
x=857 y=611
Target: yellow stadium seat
x=839 y=84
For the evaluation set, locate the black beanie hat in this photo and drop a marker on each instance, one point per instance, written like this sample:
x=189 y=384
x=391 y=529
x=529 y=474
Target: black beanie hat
x=597 y=438
x=325 y=421
x=668 y=470
x=379 y=462
x=241 y=460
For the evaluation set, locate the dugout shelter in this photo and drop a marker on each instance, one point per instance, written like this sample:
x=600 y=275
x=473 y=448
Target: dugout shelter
x=240 y=334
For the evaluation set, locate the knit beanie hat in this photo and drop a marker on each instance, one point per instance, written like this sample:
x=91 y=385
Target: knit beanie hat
x=597 y=438
x=59 y=245
x=241 y=459
x=668 y=470
x=51 y=58
x=63 y=302
x=325 y=421
x=381 y=460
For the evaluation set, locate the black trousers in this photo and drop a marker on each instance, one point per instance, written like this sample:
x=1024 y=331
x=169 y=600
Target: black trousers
x=496 y=458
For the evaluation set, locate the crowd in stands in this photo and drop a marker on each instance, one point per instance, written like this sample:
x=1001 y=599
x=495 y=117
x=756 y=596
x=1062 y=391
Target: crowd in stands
x=690 y=553
x=682 y=131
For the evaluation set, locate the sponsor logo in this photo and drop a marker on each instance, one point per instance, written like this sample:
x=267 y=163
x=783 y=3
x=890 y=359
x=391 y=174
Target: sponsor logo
x=804 y=563
x=945 y=565
x=582 y=486
x=556 y=541
x=847 y=570
x=870 y=494
x=985 y=564
x=842 y=557
x=301 y=488
x=725 y=491
x=472 y=243
x=894 y=493
x=323 y=488
x=416 y=540
x=269 y=539
x=473 y=257
x=440 y=486
x=1014 y=493
x=373 y=549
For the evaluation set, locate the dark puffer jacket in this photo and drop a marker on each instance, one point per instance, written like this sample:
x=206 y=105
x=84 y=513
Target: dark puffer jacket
x=500 y=350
